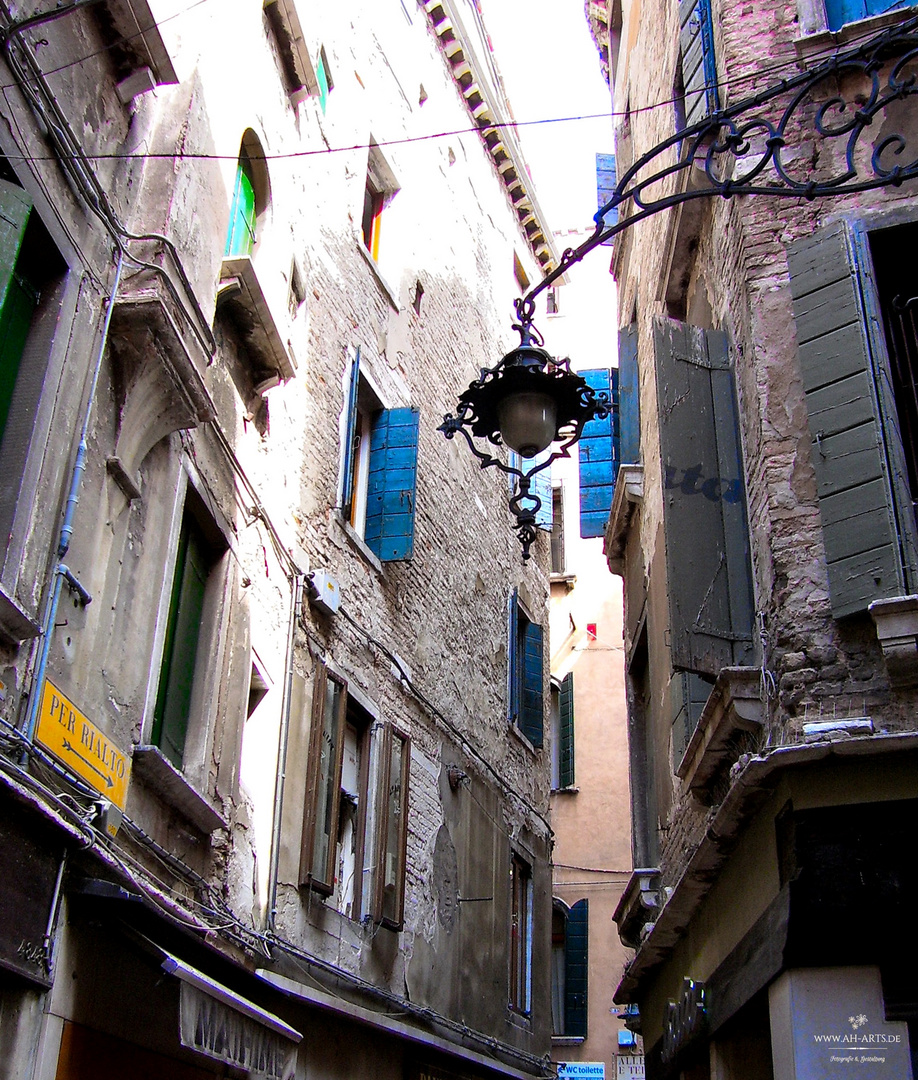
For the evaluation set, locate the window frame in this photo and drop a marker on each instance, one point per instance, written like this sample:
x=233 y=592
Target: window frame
x=521 y=935
x=389 y=836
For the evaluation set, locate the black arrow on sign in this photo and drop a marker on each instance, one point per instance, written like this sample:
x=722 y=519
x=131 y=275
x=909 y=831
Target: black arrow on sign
x=108 y=780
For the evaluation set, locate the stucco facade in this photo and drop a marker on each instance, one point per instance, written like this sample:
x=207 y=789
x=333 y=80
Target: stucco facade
x=771 y=702
x=269 y=244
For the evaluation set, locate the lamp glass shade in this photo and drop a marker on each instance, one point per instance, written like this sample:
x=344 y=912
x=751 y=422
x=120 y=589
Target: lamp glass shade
x=528 y=422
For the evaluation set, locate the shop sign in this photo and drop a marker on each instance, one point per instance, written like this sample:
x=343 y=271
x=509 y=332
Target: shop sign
x=75 y=741
x=685 y=1019
x=582 y=1070
x=223 y=1034
x=630 y=1067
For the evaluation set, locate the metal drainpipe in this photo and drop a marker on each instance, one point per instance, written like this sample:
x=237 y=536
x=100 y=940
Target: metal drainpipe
x=296 y=608
x=61 y=572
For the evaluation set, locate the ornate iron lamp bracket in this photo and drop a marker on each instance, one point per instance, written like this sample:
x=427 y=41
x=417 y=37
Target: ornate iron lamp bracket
x=747 y=149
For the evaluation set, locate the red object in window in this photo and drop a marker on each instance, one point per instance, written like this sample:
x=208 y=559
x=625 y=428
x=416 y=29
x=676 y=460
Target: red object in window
x=591 y=631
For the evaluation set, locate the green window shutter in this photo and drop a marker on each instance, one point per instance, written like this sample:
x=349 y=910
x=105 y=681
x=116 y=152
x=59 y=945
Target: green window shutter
x=186 y=608
x=699 y=62
x=566 y=749
x=531 y=707
x=240 y=238
x=576 y=969
x=867 y=547
x=598 y=456
x=391 y=482
x=691 y=693
x=629 y=406
x=18 y=298
x=350 y=436
x=707 y=541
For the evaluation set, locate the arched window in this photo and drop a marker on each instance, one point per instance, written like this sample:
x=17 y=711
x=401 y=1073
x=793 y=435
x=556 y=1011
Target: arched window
x=250 y=197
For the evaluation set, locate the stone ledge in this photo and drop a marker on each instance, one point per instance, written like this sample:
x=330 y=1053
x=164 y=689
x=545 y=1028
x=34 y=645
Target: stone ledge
x=734 y=705
x=136 y=24
x=628 y=494
x=897 y=631
x=152 y=765
x=241 y=289
x=638 y=905
x=15 y=624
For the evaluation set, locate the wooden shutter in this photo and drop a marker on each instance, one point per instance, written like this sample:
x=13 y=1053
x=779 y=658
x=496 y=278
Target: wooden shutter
x=606 y=179
x=566 y=731
x=531 y=706
x=183 y=629
x=699 y=63
x=323 y=786
x=350 y=437
x=541 y=487
x=855 y=478
x=704 y=515
x=629 y=404
x=598 y=456
x=391 y=483
x=15 y=206
x=240 y=237
x=691 y=693
x=389 y=900
x=576 y=961
x=840 y=12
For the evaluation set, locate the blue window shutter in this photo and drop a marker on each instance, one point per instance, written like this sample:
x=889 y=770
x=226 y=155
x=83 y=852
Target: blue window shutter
x=699 y=62
x=840 y=12
x=391 y=483
x=629 y=404
x=566 y=732
x=576 y=960
x=531 y=708
x=860 y=481
x=606 y=179
x=541 y=487
x=350 y=435
x=704 y=501
x=598 y=453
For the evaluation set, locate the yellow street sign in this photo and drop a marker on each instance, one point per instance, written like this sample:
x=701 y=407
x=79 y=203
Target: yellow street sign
x=81 y=746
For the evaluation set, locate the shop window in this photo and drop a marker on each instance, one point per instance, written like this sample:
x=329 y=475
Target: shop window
x=520 y=935
x=708 y=564
x=379 y=190
x=696 y=93
x=353 y=846
x=197 y=556
x=855 y=313
x=569 y=969
x=526 y=710
x=379 y=470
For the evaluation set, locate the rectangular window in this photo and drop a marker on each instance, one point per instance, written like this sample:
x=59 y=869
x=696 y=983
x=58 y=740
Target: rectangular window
x=379 y=190
x=196 y=558
x=526 y=710
x=379 y=470
x=356 y=807
x=520 y=935
x=856 y=346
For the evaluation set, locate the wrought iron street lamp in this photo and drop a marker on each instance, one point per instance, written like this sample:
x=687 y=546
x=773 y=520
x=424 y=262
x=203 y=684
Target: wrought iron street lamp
x=526 y=402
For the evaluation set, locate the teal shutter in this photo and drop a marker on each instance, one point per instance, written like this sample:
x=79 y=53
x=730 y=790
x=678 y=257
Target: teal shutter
x=17 y=297
x=598 y=455
x=840 y=12
x=350 y=436
x=183 y=628
x=692 y=692
x=704 y=511
x=541 y=487
x=566 y=748
x=240 y=237
x=699 y=62
x=606 y=179
x=391 y=484
x=576 y=969
x=531 y=708
x=629 y=401
x=868 y=546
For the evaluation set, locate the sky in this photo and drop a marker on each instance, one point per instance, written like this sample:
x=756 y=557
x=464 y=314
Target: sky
x=550 y=67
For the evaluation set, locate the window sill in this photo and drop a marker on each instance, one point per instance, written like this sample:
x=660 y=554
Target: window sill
x=239 y=285
x=815 y=43
x=522 y=738
x=567 y=1040
x=639 y=905
x=628 y=494
x=391 y=295
x=572 y=790
x=518 y=1019
x=358 y=543
x=897 y=631
x=567 y=580
x=151 y=764
x=15 y=624
x=136 y=25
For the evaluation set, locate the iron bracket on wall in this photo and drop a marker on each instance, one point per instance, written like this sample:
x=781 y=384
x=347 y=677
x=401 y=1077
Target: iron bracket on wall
x=746 y=150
